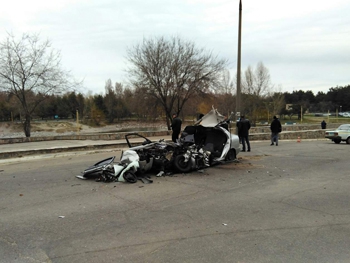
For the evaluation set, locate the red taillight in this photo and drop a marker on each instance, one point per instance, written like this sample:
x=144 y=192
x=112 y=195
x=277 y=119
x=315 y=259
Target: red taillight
x=336 y=134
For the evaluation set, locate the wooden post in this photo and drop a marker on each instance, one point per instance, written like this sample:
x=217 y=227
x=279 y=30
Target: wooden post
x=77 y=116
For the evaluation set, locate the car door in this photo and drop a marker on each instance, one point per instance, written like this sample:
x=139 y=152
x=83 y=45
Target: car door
x=344 y=132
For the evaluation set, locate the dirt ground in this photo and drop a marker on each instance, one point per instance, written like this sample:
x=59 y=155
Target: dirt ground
x=61 y=127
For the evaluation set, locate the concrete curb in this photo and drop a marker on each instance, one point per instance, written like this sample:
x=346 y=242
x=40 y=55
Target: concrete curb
x=58 y=149
x=94 y=136
x=101 y=142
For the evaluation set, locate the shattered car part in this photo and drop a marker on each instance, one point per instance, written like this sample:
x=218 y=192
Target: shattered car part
x=201 y=145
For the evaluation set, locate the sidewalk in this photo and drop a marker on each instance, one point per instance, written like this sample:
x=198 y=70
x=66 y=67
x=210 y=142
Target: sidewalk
x=21 y=149
x=45 y=147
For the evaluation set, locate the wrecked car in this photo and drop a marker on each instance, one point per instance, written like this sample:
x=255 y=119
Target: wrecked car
x=201 y=145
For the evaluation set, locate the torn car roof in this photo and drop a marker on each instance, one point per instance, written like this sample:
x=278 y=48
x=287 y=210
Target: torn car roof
x=211 y=119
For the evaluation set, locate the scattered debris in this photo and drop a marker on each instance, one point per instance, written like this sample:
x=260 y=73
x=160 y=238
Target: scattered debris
x=224 y=224
x=161 y=173
x=199 y=146
x=145 y=180
x=61 y=217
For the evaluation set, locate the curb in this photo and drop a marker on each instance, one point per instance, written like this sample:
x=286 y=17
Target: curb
x=22 y=153
x=285 y=135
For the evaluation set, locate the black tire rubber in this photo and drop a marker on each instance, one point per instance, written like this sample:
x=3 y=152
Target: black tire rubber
x=337 y=141
x=130 y=177
x=231 y=155
x=348 y=140
x=181 y=165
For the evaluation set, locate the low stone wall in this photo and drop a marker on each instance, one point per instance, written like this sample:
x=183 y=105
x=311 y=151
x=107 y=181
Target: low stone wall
x=94 y=136
x=297 y=127
x=290 y=135
x=257 y=133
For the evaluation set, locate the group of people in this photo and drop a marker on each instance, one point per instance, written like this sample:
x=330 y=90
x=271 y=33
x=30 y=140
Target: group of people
x=243 y=126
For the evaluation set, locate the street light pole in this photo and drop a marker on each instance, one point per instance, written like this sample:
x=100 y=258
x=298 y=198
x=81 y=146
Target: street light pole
x=238 y=95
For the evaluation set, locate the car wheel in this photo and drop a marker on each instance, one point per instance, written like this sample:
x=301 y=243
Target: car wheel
x=337 y=141
x=181 y=165
x=130 y=177
x=231 y=155
x=348 y=140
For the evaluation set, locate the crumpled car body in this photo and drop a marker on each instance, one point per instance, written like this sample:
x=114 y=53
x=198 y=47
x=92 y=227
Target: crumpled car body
x=201 y=145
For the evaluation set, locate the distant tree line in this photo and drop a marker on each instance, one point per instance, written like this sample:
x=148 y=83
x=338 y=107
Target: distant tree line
x=166 y=76
x=335 y=100
x=121 y=102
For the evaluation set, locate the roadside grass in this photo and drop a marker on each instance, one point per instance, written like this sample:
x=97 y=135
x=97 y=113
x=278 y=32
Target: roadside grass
x=329 y=119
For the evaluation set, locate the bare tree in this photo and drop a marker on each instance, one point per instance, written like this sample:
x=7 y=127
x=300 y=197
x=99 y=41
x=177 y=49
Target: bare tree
x=30 y=70
x=262 y=79
x=256 y=85
x=172 y=71
x=225 y=99
x=277 y=101
x=110 y=101
x=248 y=81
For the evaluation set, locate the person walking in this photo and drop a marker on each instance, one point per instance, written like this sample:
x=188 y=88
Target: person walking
x=176 y=127
x=275 y=128
x=243 y=132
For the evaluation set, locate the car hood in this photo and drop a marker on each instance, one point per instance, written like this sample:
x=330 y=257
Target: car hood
x=211 y=119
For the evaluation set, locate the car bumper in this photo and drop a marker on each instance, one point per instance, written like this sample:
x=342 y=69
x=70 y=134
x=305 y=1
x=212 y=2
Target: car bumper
x=333 y=137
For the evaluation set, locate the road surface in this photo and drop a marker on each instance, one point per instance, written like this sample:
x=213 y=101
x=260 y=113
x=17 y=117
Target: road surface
x=278 y=204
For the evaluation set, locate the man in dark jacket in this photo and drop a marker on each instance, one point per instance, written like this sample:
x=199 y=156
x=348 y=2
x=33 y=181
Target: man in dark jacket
x=243 y=132
x=176 y=127
x=275 y=128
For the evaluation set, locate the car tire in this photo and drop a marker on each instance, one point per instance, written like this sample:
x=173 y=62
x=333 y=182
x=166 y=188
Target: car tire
x=231 y=155
x=130 y=177
x=337 y=141
x=348 y=140
x=181 y=165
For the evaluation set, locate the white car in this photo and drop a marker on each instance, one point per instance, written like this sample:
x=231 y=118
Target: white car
x=201 y=145
x=342 y=133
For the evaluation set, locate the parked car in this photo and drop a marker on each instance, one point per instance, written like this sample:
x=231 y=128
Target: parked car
x=342 y=133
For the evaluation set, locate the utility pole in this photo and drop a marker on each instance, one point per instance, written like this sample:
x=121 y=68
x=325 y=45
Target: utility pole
x=238 y=95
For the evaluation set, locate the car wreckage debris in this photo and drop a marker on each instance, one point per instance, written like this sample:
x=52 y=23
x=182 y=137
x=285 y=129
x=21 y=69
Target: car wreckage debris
x=206 y=143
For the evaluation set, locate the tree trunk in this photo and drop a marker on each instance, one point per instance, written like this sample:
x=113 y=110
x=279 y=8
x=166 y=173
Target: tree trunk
x=168 y=123
x=26 y=125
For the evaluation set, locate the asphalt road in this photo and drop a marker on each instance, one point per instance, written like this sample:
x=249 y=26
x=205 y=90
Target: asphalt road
x=289 y=203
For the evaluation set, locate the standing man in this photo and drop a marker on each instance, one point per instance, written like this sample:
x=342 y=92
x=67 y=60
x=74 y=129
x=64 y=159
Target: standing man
x=323 y=124
x=275 y=128
x=243 y=132
x=176 y=127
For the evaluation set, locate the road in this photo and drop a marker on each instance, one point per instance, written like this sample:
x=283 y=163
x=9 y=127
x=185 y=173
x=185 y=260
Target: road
x=278 y=204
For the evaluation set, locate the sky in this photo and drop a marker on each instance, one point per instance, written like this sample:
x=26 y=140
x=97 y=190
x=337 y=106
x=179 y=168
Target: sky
x=305 y=44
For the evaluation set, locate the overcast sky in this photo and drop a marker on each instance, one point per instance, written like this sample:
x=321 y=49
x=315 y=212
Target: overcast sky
x=305 y=44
